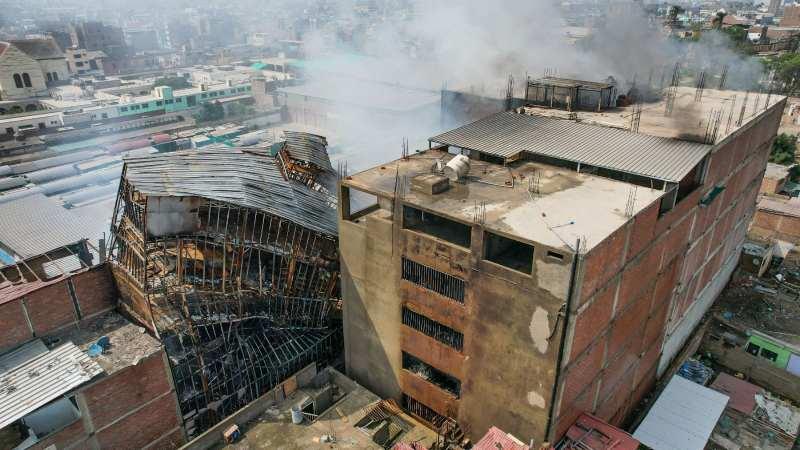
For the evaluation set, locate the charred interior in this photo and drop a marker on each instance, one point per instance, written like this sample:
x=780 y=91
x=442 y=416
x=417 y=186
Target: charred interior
x=230 y=256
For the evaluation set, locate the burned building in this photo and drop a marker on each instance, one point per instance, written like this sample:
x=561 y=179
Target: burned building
x=539 y=264
x=230 y=256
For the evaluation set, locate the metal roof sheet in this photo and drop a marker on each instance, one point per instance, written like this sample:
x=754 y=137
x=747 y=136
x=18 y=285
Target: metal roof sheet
x=35 y=224
x=307 y=147
x=682 y=418
x=507 y=134
x=234 y=176
x=41 y=379
x=742 y=393
x=496 y=438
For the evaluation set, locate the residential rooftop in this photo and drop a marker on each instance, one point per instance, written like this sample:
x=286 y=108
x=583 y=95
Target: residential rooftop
x=129 y=343
x=533 y=201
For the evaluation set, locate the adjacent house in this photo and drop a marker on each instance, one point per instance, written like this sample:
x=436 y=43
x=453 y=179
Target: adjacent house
x=28 y=66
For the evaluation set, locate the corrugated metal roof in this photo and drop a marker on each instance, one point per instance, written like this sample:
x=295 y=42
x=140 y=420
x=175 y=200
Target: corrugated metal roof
x=682 y=418
x=237 y=177
x=742 y=393
x=507 y=134
x=496 y=438
x=35 y=224
x=596 y=434
x=307 y=147
x=41 y=379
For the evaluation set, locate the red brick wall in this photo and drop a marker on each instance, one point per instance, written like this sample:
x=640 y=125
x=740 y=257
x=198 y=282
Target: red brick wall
x=624 y=310
x=95 y=290
x=123 y=391
x=14 y=325
x=51 y=308
x=143 y=427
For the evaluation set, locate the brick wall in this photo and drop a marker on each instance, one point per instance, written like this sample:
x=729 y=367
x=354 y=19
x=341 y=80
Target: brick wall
x=52 y=307
x=135 y=407
x=637 y=285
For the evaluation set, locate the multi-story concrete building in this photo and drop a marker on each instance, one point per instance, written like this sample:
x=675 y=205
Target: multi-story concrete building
x=562 y=267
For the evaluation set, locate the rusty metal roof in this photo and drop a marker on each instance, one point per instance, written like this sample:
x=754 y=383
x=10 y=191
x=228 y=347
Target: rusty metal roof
x=235 y=176
x=507 y=134
x=41 y=378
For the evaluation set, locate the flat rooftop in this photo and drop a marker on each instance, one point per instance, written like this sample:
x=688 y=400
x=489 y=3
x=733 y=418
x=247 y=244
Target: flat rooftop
x=344 y=420
x=536 y=202
x=689 y=119
x=130 y=343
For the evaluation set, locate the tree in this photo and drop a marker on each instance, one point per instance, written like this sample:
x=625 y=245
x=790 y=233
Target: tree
x=787 y=71
x=210 y=112
x=783 y=149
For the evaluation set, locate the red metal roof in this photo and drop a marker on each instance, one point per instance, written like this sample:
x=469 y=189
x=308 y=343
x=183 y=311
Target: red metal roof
x=407 y=446
x=598 y=435
x=496 y=437
x=742 y=393
x=160 y=137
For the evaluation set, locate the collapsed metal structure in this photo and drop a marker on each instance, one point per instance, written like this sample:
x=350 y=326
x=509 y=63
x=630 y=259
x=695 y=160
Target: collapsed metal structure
x=229 y=255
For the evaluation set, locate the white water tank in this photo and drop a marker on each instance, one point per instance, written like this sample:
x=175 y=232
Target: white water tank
x=457 y=168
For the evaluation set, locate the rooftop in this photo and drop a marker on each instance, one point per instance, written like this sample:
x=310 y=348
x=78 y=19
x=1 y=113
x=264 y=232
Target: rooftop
x=237 y=176
x=689 y=120
x=354 y=418
x=129 y=343
x=538 y=203
x=508 y=134
x=39 y=48
x=35 y=224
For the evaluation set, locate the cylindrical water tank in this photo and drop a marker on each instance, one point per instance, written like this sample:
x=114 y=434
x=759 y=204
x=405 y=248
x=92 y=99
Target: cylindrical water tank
x=457 y=168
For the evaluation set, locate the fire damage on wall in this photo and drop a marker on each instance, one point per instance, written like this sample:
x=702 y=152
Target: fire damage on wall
x=229 y=255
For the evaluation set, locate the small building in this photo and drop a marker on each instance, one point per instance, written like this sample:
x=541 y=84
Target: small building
x=570 y=94
x=777 y=217
x=775 y=178
x=51 y=59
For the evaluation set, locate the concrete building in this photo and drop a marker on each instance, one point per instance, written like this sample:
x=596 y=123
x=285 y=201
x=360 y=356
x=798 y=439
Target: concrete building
x=791 y=16
x=49 y=56
x=561 y=269
x=21 y=75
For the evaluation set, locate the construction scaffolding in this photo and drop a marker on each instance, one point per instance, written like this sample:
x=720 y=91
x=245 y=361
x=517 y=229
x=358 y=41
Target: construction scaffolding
x=230 y=257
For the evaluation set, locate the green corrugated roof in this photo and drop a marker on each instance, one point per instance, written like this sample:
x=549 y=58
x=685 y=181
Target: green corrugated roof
x=258 y=66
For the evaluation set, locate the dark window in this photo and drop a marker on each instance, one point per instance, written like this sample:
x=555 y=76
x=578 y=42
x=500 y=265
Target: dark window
x=93 y=64
x=438 y=226
x=55 y=76
x=508 y=252
x=179 y=99
x=42 y=125
x=752 y=349
x=159 y=103
x=433 y=280
x=421 y=410
x=145 y=105
x=18 y=81
x=49 y=77
x=104 y=116
x=203 y=95
x=191 y=100
x=9 y=130
x=123 y=108
x=169 y=102
x=768 y=354
x=434 y=329
x=248 y=88
x=431 y=374
x=76 y=55
x=78 y=64
x=27 y=80
x=554 y=255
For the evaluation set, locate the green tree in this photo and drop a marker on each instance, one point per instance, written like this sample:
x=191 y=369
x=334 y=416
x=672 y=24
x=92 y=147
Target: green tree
x=783 y=149
x=210 y=112
x=787 y=71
